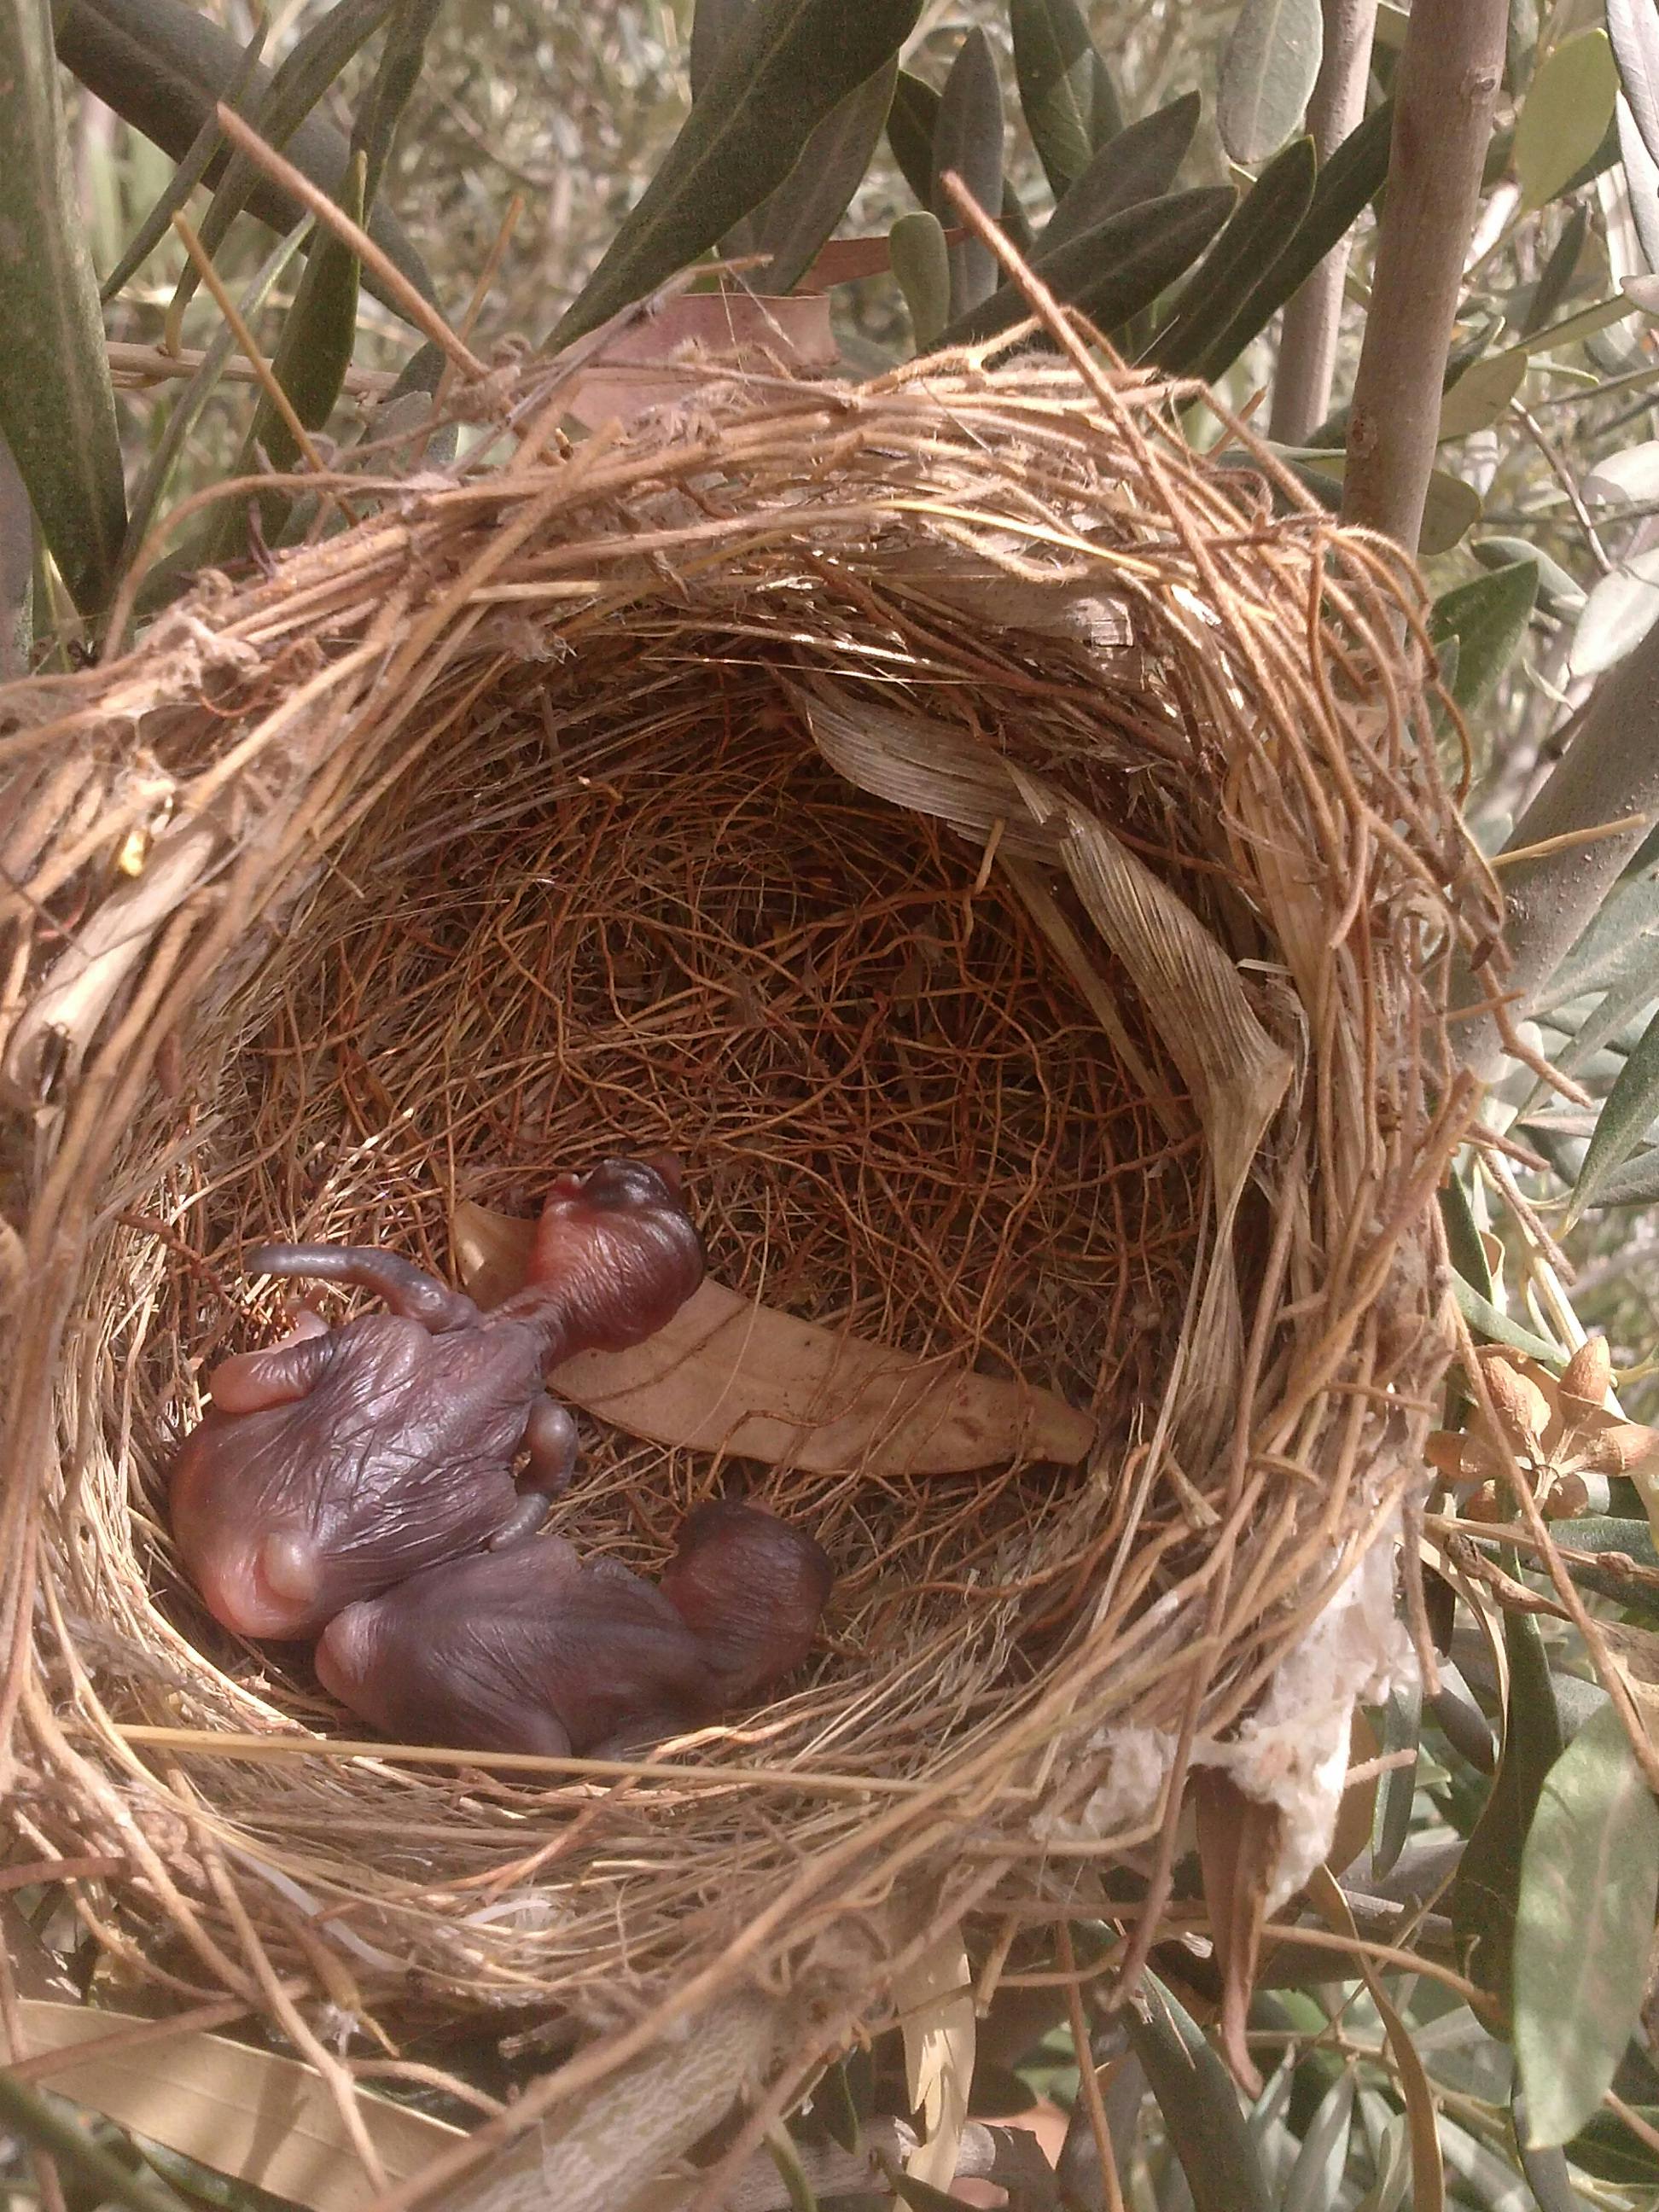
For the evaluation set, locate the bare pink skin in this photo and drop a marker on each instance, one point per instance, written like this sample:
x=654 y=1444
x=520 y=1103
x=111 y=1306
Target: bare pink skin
x=752 y=1587
x=342 y=1460
x=525 y=1650
x=531 y=1650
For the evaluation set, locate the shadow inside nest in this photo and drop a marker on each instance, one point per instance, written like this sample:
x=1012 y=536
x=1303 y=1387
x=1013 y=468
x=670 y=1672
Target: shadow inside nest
x=899 y=1117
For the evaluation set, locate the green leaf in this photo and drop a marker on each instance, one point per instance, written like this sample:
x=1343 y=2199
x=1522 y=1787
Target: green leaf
x=1195 y=2094
x=1463 y=1244
x=187 y=407
x=792 y=2174
x=1609 y=2150
x=834 y=2103
x=802 y=214
x=300 y=79
x=1066 y=93
x=1559 y=592
x=968 y=140
x=1267 y=72
x=1602 y=1532
x=1113 y=271
x=1568 y=107
x=1617 y=615
x=919 y=2195
x=1450 y=509
x=18 y=552
x=911 y=122
x=1589 y=1884
x=1141 y=163
x=1485 y=1318
x=1482 y=394
x=1485 y=1893
x=1316 y=2179
x=402 y=58
x=1619 y=945
x=1622 y=1126
x=1348 y=183
x=1637 y=1183
x=713 y=22
x=1556 y=280
x=163 y=64
x=1221 y=285
x=787 y=65
x=1402 y=1728
x=312 y=355
x=208 y=142
x=1488 y=617
x=921 y=262
x=56 y=404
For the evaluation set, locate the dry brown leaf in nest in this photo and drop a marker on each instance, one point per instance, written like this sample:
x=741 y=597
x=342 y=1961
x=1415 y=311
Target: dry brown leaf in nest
x=1560 y=1432
x=729 y=1374
x=719 y=330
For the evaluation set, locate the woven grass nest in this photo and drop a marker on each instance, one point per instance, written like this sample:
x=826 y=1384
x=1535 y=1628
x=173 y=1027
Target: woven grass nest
x=1009 y=861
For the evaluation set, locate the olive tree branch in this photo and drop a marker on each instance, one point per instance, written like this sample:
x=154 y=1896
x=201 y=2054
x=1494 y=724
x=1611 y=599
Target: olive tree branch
x=1306 y=368
x=1448 y=83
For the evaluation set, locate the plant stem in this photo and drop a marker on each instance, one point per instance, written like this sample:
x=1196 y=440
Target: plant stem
x=1447 y=82
x=1306 y=368
x=1610 y=769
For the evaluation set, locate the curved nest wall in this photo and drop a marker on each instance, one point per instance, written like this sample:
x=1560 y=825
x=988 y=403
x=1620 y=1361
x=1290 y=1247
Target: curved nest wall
x=1012 y=867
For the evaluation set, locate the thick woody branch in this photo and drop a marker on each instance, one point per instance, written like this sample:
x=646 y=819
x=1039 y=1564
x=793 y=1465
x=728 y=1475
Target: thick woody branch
x=1306 y=368
x=1447 y=82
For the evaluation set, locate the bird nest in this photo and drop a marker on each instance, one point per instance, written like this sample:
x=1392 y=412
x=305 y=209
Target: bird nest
x=1007 y=857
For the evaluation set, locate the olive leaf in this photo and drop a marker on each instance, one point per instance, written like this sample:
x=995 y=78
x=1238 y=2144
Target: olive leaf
x=1267 y=72
x=793 y=224
x=1564 y=116
x=967 y=142
x=1141 y=163
x=265 y=2119
x=911 y=121
x=1114 y=270
x=56 y=404
x=1195 y=2094
x=312 y=355
x=1066 y=90
x=1589 y=1883
x=163 y=66
x=1488 y=617
x=921 y=264
x=783 y=69
x=1257 y=232
x=1622 y=1126
x=1485 y=1895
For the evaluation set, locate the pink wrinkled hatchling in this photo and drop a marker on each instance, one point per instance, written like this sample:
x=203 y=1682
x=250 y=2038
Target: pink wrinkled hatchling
x=342 y=1460
x=536 y=1650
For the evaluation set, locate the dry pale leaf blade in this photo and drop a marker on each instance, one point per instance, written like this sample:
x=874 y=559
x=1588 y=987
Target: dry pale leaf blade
x=727 y=1374
x=1237 y=1074
x=657 y=359
x=934 y=1998
x=1191 y=989
x=925 y=768
x=86 y=979
x=263 y=2119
